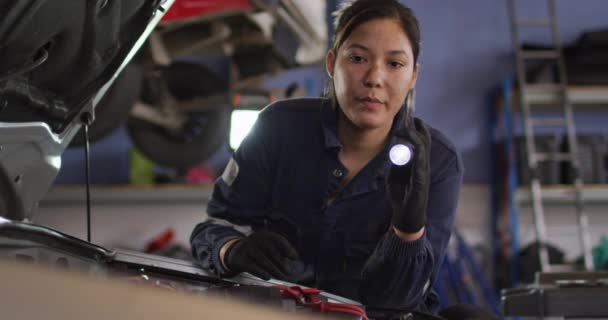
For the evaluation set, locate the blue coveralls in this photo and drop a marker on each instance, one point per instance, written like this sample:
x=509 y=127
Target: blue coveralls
x=280 y=178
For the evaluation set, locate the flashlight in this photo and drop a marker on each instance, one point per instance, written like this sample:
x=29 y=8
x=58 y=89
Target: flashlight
x=400 y=154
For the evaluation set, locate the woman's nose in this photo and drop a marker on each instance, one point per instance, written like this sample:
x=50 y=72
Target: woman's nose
x=374 y=76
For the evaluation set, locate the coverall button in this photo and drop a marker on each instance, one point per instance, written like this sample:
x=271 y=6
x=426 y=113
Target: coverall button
x=338 y=173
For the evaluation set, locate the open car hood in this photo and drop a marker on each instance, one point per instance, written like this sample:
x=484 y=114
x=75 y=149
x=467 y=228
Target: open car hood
x=57 y=59
x=45 y=247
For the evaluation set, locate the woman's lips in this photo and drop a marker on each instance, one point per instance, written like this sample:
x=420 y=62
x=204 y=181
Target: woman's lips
x=370 y=103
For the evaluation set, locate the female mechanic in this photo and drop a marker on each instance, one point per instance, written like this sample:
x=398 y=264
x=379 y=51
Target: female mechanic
x=312 y=196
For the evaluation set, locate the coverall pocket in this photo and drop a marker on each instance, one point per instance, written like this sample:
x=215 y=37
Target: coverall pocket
x=356 y=256
x=360 y=250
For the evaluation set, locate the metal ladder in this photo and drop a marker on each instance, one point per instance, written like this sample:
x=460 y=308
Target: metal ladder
x=559 y=90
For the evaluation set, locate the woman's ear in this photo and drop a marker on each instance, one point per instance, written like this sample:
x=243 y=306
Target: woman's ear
x=414 y=76
x=330 y=63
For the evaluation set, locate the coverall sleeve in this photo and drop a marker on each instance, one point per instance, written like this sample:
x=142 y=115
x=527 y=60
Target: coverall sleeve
x=400 y=273
x=239 y=199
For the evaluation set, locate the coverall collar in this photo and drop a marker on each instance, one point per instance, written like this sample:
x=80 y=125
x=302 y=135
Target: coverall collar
x=329 y=122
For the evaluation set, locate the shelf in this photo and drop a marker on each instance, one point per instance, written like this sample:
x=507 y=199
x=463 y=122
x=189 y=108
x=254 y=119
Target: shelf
x=592 y=98
x=564 y=194
x=128 y=195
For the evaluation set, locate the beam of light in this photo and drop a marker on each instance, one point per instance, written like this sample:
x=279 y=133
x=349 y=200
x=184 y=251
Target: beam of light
x=241 y=122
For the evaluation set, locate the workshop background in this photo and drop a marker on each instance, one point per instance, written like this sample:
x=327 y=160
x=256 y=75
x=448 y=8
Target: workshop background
x=467 y=72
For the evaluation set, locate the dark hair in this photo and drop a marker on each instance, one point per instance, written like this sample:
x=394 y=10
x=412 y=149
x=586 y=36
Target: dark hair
x=353 y=13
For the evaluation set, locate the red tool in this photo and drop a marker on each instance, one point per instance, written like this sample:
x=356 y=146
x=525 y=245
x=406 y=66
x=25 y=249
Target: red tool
x=310 y=297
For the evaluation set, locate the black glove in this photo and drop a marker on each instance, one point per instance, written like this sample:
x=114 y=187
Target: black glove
x=408 y=185
x=264 y=254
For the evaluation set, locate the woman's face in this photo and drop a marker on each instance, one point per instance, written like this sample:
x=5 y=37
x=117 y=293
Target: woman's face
x=372 y=73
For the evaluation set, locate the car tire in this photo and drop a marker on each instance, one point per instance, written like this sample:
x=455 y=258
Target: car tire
x=114 y=108
x=169 y=149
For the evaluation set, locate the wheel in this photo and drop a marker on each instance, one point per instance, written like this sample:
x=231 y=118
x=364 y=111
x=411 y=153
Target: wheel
x=195 y=142
x=205 y=129
x=115 y=106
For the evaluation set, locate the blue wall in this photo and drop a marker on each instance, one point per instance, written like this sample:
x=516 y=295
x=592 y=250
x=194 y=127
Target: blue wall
x=109 y=161
x=466 y=53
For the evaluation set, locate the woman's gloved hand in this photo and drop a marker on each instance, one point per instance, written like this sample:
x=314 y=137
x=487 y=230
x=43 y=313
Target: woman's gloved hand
x=264 y=254
x=408 y=185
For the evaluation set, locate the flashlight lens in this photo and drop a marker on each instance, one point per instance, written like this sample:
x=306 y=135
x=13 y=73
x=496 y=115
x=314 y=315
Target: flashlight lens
x=400 y=154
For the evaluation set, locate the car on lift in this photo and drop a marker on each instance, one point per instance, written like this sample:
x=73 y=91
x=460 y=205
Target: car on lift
x=205 y=59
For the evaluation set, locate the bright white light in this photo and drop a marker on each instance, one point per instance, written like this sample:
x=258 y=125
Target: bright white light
x=241 y=122
x=400 y=154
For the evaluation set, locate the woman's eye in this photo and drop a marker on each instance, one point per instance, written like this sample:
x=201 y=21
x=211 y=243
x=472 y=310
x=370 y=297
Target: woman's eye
x=397 y=64
x=356 y=59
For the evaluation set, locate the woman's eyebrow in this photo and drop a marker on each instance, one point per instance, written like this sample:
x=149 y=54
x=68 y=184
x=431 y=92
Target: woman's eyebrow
x=358 y=46
x=397 y=52
x=394 y=52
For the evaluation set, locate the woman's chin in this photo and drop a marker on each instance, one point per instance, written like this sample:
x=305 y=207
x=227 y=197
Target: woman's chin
x=369 y=124
x=368 y=120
